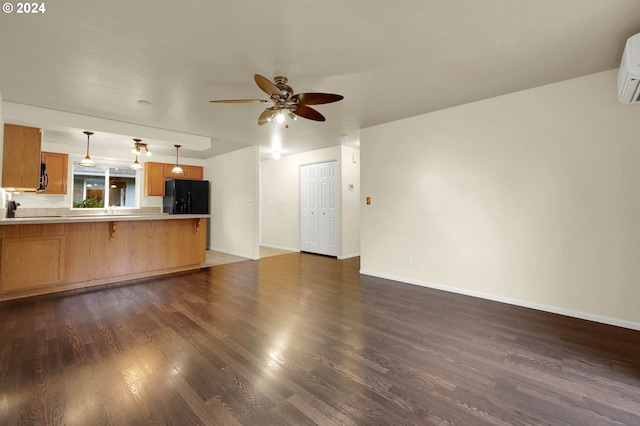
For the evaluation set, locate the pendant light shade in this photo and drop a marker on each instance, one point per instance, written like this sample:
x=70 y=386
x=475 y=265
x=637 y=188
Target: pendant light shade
x=136 y=150
x=136 y=165
x=87 y=161
x=177 y=168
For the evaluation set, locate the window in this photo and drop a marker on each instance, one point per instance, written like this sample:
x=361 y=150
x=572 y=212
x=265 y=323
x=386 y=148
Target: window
x=104 y=186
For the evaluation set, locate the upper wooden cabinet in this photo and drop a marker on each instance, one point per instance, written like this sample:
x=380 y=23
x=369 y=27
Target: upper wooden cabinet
x=189 y=172
x=21 y=157
x=153 y=178
x=57 y=171
x=156 y=173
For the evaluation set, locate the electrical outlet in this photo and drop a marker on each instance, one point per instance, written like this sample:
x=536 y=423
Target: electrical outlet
x=408 y=260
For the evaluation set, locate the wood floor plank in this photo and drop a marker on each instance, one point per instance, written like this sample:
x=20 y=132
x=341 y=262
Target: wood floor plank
x=299 y=339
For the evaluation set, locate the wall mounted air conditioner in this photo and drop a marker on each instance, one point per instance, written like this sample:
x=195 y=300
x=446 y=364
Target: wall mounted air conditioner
x=629 y=73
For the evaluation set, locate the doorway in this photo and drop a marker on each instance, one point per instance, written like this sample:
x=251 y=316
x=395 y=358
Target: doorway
x=319 y=208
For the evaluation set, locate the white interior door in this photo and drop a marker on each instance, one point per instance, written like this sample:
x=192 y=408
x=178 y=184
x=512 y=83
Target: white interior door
x=327 y=206
x=309 y=208
x=318 y=208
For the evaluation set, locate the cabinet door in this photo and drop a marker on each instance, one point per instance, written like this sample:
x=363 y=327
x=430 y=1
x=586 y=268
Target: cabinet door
x=193 y=172
x=169 y=175
x=188 y=172
x=21 y=157
x=17 y=271
x=153 y=178
x=156 y=173
x=57 y=170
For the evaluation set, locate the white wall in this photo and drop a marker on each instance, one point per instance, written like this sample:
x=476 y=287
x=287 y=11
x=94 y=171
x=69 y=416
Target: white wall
x=234 y=202
x=280 y=198
x=530 y=198
x=350 y=211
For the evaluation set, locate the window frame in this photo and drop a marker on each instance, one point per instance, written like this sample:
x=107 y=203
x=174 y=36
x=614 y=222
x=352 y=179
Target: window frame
x=106 y=166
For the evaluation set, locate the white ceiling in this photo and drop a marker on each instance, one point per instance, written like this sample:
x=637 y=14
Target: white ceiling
x=389 y=59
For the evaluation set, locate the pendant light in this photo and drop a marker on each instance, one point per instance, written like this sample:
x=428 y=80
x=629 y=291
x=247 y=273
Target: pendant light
x=177 y=168
x=136 y=150
x=136 y=165
x=87 y=162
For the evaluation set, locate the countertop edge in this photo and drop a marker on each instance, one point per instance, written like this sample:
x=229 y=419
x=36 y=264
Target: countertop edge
x=98 y=218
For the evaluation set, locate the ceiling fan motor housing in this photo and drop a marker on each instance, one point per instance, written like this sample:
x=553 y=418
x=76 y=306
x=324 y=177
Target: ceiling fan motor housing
x=281 y=83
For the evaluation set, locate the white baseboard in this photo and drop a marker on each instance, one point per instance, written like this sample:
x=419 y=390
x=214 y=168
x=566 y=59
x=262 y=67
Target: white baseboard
x=348 y=256
x=517 y=302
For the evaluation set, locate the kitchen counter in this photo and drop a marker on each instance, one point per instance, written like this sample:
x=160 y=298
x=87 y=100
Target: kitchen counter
x=98 y=218
x=47 y=254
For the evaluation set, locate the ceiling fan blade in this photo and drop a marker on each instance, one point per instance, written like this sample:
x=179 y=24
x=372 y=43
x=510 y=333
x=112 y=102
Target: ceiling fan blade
x=266 y=116
x=239 y=101
x=308 y=112
x=316 y=98
x=267 y=86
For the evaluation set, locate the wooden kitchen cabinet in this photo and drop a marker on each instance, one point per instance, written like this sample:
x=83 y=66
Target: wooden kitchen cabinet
x=156 y=173
x=50 y=257
x=153 y=178
x=21 y=157
x=191 y=172
x=17 y=269
x=57 y=172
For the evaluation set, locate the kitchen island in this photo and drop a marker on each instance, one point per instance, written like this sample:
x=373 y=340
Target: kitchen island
x=40 y=255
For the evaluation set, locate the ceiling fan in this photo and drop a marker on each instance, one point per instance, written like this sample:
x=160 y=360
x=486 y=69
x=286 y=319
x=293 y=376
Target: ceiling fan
x=284 y=101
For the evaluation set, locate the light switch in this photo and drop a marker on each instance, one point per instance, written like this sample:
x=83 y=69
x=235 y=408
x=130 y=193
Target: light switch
x=368 y=200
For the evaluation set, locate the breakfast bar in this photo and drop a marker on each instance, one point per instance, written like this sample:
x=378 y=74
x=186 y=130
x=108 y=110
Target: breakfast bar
x=40 y=255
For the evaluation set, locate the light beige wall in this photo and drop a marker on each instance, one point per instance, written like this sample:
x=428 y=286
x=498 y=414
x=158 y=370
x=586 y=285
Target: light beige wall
x=234 y=202
x=350 y=202
x=530 y=198
x=280 y=198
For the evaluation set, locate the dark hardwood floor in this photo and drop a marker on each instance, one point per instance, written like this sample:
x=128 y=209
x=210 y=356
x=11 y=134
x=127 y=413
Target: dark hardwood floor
x=300 y=339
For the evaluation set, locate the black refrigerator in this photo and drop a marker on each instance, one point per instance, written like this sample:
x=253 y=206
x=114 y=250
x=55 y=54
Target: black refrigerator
x=182 y=196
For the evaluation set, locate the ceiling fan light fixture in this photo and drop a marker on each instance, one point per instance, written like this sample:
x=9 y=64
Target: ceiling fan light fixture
x=138 y=146
x=87 y=161
x=177 y=169
x=285 y=101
